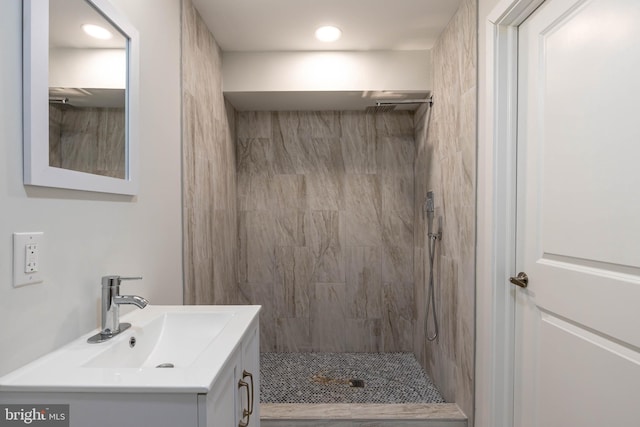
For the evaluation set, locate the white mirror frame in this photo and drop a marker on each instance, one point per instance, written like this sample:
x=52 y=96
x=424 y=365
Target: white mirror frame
x=36 y=105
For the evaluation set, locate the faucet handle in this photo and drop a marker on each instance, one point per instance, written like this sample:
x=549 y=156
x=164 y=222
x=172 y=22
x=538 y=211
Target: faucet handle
x=111 y=281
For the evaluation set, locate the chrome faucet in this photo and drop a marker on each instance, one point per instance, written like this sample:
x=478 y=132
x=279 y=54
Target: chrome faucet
x=111 y=300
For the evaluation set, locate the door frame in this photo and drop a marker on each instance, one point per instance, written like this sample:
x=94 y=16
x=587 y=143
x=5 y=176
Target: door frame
x=496 y=217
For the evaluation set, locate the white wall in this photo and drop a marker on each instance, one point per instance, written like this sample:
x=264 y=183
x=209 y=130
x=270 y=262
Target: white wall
x=288 y=81
x=88 y=235
x=326 y=71
x=88 y=68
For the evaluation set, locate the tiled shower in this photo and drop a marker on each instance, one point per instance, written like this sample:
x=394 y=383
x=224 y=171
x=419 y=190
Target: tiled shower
x=325 y=206
x=318 y=216
x=87 y=139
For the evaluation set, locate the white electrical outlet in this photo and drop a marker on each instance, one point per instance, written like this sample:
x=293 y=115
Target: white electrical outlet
x=31 y=258
x=27 y=248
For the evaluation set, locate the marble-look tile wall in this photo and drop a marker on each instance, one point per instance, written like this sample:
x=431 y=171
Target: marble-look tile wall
x=88 y=140
x=325 y=203
x=445 y=163
x=209 y=175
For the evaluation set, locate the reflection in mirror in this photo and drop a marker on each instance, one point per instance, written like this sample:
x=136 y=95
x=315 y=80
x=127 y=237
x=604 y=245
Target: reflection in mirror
x=87 y=91
x=89 y=82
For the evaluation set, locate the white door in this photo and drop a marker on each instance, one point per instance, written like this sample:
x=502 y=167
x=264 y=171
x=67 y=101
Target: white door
x=578 y=321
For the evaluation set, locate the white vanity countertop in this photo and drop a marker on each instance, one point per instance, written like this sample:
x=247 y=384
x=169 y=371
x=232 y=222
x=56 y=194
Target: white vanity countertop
x=72 y=367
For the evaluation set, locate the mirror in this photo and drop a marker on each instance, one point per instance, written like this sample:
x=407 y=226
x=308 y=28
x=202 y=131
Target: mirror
x=87 y=87
x=80 y=97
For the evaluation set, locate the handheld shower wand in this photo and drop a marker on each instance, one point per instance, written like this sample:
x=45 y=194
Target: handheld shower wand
x=429 y=207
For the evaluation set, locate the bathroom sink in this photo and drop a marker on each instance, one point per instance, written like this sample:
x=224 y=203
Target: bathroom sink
x=172 y=340
x=167 y=348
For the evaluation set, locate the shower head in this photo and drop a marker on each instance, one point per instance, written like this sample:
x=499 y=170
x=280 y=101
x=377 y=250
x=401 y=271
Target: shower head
x=380 y=108
x=58 y=100
x=384 y=106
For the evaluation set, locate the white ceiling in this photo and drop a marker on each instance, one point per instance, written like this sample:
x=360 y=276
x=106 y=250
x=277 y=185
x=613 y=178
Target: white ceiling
x=289 y=25
x=66 y=18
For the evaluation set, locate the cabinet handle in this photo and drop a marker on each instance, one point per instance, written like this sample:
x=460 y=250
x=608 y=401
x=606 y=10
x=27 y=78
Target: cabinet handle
x=246 y=374
x=245 y=413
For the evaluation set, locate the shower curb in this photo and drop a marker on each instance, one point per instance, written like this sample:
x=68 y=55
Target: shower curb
x=361 y=415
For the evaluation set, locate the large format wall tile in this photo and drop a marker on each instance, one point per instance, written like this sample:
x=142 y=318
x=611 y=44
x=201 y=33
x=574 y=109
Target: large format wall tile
x=294 y=281
x=363 y=210
x=398 y=317
x=254 y=156
x=326 y=208
x=261 y=294
x=364 y=335
x=322 y=232
x=364 y=282
x=88 y=140
x=209 y=173
x=397 y=264
x=445 y=163
x=325 y=190
x=293 y=334
x=327 y=317
x=358 y=142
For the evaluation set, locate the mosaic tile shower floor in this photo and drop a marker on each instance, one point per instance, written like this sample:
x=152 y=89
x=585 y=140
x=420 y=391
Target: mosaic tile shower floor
x=324 y=378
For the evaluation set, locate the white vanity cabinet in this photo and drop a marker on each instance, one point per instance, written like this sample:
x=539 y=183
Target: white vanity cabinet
x=215 y=381
x=251 y=364
x=234 y=399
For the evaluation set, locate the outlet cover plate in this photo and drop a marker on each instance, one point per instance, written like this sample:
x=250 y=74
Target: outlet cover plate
x=20 y=242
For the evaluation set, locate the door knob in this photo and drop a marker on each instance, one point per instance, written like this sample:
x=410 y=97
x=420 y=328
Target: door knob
x=521 y=280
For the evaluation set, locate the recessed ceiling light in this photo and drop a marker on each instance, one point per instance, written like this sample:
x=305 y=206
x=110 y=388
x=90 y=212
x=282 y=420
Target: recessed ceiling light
x=328 y=33
x=97 y=31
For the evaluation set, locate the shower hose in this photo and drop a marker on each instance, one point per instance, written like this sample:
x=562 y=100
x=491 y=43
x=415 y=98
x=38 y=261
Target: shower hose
x=431 y=297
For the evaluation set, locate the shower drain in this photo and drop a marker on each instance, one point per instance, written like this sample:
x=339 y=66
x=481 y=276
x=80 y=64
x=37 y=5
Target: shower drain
x=324 y=379
x=356 y=383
